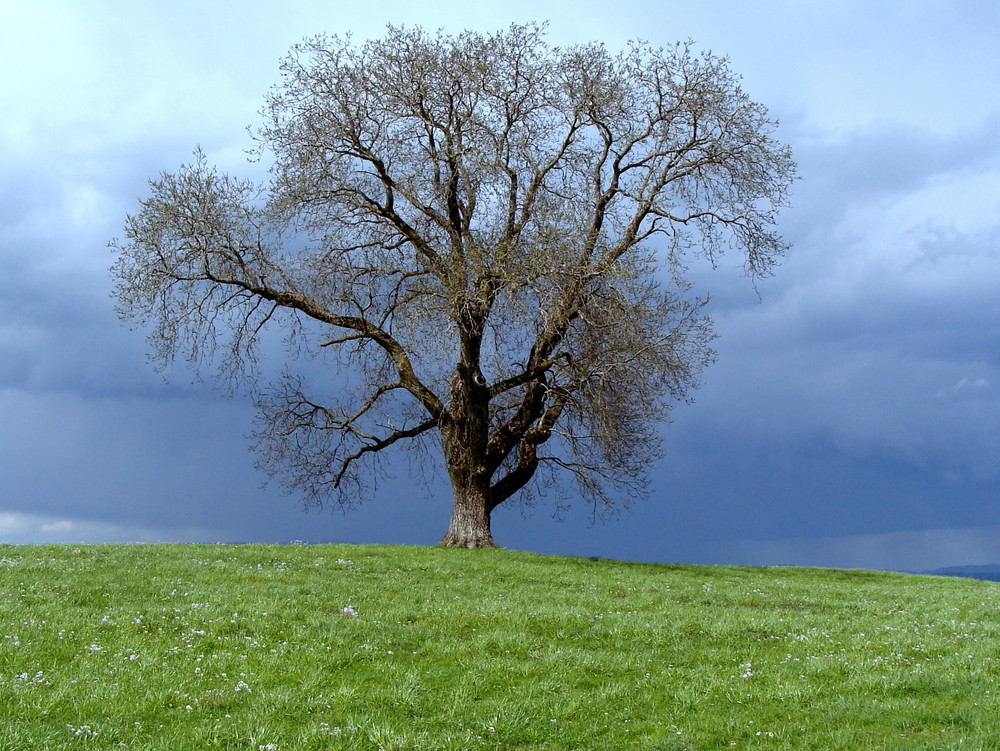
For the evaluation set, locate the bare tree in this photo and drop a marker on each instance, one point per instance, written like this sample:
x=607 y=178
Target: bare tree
x=485 y=237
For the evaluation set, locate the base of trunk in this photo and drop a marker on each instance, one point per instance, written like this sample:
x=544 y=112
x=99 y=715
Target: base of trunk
x=452 y=540
x=469 y=526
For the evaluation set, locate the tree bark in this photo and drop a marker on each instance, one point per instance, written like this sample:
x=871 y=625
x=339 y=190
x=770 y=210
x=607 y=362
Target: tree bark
x=470 y=520
x=464 y=440
x=464 y=431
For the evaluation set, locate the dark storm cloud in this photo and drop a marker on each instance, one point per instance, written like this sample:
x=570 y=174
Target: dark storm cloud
x=887 y=385
x=880 y=331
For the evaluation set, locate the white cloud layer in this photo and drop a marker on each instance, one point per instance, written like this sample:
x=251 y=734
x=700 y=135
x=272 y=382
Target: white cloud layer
x=19 y=528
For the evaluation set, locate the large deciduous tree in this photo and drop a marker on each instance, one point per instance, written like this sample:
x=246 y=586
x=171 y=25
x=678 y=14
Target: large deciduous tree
x=485 y=237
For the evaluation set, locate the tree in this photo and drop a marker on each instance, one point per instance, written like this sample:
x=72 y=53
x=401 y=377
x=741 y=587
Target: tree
x=485 y=236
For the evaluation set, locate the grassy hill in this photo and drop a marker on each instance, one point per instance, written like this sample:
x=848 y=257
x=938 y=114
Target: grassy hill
x=282 y=648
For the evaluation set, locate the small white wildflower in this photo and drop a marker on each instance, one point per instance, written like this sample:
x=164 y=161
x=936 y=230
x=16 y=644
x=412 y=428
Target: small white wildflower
x=38 y=678
x=241 y=686
x=83 y=730
x=350 y=611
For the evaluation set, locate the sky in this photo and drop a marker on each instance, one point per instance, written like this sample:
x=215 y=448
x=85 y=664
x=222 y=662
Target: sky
x=852 y=418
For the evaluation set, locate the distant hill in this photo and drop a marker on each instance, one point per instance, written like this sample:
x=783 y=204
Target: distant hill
x=990 y=572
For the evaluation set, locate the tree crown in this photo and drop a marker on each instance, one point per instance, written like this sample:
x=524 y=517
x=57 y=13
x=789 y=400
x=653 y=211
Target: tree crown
x=487 y=231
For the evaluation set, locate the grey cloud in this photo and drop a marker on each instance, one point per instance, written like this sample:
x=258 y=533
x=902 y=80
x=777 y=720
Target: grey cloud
x=918 y=550
x=882 y=160
x=158 y=462
x=866 y=400
x=169 y=461
x=888 y=300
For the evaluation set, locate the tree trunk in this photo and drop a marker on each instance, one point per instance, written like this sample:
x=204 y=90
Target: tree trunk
x=464 y=433
x=470 y=520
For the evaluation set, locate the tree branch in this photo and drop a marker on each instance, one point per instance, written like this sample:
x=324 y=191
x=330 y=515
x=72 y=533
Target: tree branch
x=381 y=444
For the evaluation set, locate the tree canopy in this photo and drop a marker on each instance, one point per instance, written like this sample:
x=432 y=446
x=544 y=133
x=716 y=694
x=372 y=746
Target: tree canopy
x=485 y=236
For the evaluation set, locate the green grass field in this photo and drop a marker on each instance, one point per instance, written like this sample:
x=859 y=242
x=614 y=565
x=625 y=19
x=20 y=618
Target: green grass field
x=281 y=648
